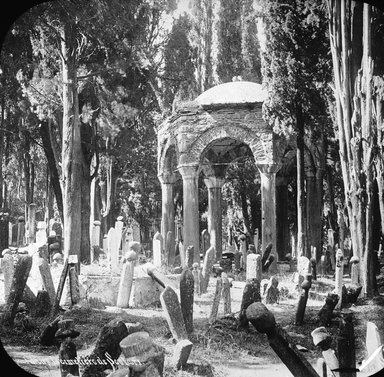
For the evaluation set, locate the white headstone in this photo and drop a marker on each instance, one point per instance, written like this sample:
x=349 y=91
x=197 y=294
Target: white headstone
x=113 y=249
x=41 y=234
x=157 y=249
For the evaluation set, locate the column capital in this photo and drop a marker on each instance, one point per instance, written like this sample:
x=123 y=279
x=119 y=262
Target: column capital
x=188 y=171
x=268 y=168
x=167 y=178
x=214 y=182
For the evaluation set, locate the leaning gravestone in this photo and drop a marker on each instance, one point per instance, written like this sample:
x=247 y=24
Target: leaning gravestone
x=20 y=276
x=170 y=303
x=186 y=298
x=47 y=280
x=157 y=249
x=209 y=261
x=126 y=280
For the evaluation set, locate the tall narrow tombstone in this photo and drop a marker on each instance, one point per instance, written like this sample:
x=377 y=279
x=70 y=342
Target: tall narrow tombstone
x=170 y=246
x=306 y=285
x=46 y=277
x=8 y=271
x=119 y=224
x=10 y=228
x=209 y=261
x=170 y=303
x=251 y=294
x=196 y=278
x=95 y=240
x=126 y=280
x=205 y=240
x=189 y=254
x=226 y=293
x=243 y=251
x=216 y=300
x=339 y=276
x=254 y=267
x=186 y=298
x=181 y=253
x=157 y=249
x=20 y=277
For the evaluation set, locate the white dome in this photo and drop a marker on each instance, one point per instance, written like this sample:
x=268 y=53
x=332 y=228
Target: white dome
x=237 y=92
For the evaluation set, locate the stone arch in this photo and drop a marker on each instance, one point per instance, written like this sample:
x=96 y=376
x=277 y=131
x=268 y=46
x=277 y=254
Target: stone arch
x=168 y=152
x=260 y=144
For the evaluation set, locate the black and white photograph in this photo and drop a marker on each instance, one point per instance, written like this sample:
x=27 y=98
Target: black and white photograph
x=192 y=188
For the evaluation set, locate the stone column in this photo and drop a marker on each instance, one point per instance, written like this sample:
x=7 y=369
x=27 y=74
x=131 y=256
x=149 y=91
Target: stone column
x=167 y=207
x=268 y=207
x=214 y=185
x=191 y=233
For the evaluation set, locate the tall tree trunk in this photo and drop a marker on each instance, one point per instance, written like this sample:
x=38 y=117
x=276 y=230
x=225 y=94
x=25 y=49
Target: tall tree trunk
x=71 y=147
x=301 y=225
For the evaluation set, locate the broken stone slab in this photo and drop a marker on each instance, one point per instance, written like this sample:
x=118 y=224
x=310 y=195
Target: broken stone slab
x=186 y=298
x=136 y=344
x=170 y=303
x=181 y=353
x=264 y=321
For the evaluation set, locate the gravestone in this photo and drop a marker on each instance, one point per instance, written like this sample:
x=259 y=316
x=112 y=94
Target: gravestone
x=339 y=269
x=157 y=249
x=196 y=278
x=254 y=267
x=226 y=293
x=8 y=271
x=354 y=270
x=216 y=300
x=272 y=292
x=189 y=254
x=119 y=224
x=243 y=251
x=303 y=266
x=95 y=240
x=113 y=250
x=306 y=285
x=181 y=353
x=20 y=231
x=182 y=254
x=41 y=234
x=171 y=306
x=126 y=280
x=251 y=294
x=46 y=278
x=186 y=298
x=31 y=223
x=205 y=241
x=208 y=263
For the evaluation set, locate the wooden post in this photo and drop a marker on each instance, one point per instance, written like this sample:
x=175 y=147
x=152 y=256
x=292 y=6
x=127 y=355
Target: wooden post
x=264 y=321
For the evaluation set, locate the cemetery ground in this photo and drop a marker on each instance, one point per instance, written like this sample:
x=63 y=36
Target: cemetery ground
x=219 y=349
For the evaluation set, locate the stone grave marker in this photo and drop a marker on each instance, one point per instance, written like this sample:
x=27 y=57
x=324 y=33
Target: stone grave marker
x=216 y=300
x=126 y=280
x=8 y=271
x=95 y=240
x=41 y=234
x=303 y=266
x=339 y=276
x=186 y=298
x=196 y=278
x=20 y=231
x=157 y=249
x=272 y=292
x=181 y=353
x=170 y=303
x=226 y=293
x=189 y=254
x=208 y=263
x=306 y=285
x=181 y=254
x=205 y=241
x=254 y=267
x=243 y=251
x=119 y=224
x=113 y=250
x=46 y=277
x=323 y=340
x=354 y=270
